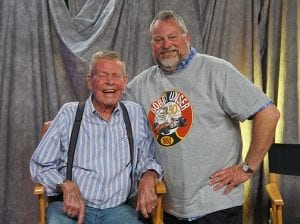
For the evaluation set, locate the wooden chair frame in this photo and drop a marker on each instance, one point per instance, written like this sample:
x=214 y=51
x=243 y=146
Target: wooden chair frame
x=276 y=199
x=39 y=190
x=283 y=160
x=156 y=215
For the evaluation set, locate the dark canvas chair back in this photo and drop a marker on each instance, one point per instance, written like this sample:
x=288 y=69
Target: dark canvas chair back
x=284 y=159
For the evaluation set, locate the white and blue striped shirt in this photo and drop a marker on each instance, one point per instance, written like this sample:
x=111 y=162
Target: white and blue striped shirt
x=101 y=166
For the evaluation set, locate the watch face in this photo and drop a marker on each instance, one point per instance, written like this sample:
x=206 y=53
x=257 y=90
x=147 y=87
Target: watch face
x=59 y=186
x=247 y=168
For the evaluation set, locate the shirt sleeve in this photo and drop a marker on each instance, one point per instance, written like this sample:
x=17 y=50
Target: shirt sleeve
x=241 y=98
x=48 y=157
x=146 y=156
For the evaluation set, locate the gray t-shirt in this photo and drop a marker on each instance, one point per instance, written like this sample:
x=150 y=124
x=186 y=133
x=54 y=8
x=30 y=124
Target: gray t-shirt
x=194 y=115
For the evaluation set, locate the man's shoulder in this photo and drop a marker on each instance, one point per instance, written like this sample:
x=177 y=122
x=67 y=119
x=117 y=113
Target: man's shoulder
x=212 y=63
x=132 y=105
x=147 y=73
x=70 y=105
x=69 y=108
x=211 y=59
x=135 y=111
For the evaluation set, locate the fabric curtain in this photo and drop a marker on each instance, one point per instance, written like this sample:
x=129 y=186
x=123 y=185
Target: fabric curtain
x=45 y=49
x=282 y=66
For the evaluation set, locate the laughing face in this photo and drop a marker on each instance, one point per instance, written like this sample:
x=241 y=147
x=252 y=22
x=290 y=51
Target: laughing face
x=169 y=44
x=107 y=83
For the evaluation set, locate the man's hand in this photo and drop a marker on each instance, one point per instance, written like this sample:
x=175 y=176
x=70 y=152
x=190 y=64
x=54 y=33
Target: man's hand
x=264 y=125
x=73 y=202
x=231 y=176
x=147 y=198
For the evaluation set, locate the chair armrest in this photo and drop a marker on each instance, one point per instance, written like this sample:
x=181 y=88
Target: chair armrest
x=160 y=187
x=274 y=194
x=38 y=189
x=158 y=211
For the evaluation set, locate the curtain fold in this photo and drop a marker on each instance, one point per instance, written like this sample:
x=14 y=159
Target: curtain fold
x=45 y=49
x=283 y=75
x=79 y=33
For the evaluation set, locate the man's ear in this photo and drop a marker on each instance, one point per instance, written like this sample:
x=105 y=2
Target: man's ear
x=125 y=80
x=89 y=80
x=188 y=38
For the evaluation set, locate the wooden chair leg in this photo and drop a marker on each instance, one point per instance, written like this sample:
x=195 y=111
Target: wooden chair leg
x=42 y=209
x=39 y=191
x=279 y=215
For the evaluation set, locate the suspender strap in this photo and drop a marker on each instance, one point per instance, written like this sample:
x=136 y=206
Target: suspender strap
x=74 y=136
x=73 y=139
x=130 y=139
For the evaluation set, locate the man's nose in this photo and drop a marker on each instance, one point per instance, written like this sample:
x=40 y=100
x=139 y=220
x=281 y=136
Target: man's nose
x=166 y=43
x=110 y=78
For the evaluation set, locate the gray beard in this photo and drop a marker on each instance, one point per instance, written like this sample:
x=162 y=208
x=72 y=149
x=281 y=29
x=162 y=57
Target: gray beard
x=169 y=63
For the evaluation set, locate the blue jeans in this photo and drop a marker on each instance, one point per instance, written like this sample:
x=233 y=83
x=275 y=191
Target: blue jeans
x=122 y=214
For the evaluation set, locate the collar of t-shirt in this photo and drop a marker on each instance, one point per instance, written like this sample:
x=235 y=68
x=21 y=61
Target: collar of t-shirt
x=184 y=63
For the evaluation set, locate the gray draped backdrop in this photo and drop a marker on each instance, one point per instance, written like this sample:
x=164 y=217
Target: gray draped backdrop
x=44 y=49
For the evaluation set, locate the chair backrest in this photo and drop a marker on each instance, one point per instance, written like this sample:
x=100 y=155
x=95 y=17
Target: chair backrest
x=284 y=159
x=45 y=127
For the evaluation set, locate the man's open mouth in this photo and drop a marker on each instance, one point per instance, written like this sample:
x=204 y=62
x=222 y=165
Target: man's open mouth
x=109 y=91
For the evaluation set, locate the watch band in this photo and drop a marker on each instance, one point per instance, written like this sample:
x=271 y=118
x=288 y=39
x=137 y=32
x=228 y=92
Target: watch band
x=246 y=168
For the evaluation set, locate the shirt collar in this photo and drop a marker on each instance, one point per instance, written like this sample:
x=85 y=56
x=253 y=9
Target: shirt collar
x=185 y=62
x=92 y=108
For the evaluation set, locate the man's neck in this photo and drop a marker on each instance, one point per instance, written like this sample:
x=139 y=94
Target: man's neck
x=104 y=111
x=187 y=59
x=183 y=63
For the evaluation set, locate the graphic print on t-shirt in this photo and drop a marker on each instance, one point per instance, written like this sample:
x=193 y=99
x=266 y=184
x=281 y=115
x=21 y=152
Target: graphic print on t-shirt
x=170 y=118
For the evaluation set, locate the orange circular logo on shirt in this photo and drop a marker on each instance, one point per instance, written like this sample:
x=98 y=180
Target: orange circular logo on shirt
x=170 y=117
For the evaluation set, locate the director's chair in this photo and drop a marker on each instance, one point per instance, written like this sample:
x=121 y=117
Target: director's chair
x=39 y=190
x=284 y=159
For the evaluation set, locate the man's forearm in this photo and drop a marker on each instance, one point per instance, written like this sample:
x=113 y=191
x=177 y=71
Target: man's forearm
x=264 y=126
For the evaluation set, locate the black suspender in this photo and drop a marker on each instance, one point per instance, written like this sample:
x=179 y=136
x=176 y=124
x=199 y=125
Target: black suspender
x=74 y=136
x=73 y=139
x=130 y=140
x=128 y=129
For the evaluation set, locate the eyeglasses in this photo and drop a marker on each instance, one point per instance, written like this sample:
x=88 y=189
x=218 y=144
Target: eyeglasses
x=104 y=76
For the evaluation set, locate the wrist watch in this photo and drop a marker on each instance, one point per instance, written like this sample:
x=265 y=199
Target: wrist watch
x=246 y=168
x=59 y=186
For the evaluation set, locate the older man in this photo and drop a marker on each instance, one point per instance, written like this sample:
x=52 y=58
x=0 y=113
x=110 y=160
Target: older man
x=103 y=163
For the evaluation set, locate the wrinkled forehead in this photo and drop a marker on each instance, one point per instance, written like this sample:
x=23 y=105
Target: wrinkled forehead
x=100 y=64
x=164 y=27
